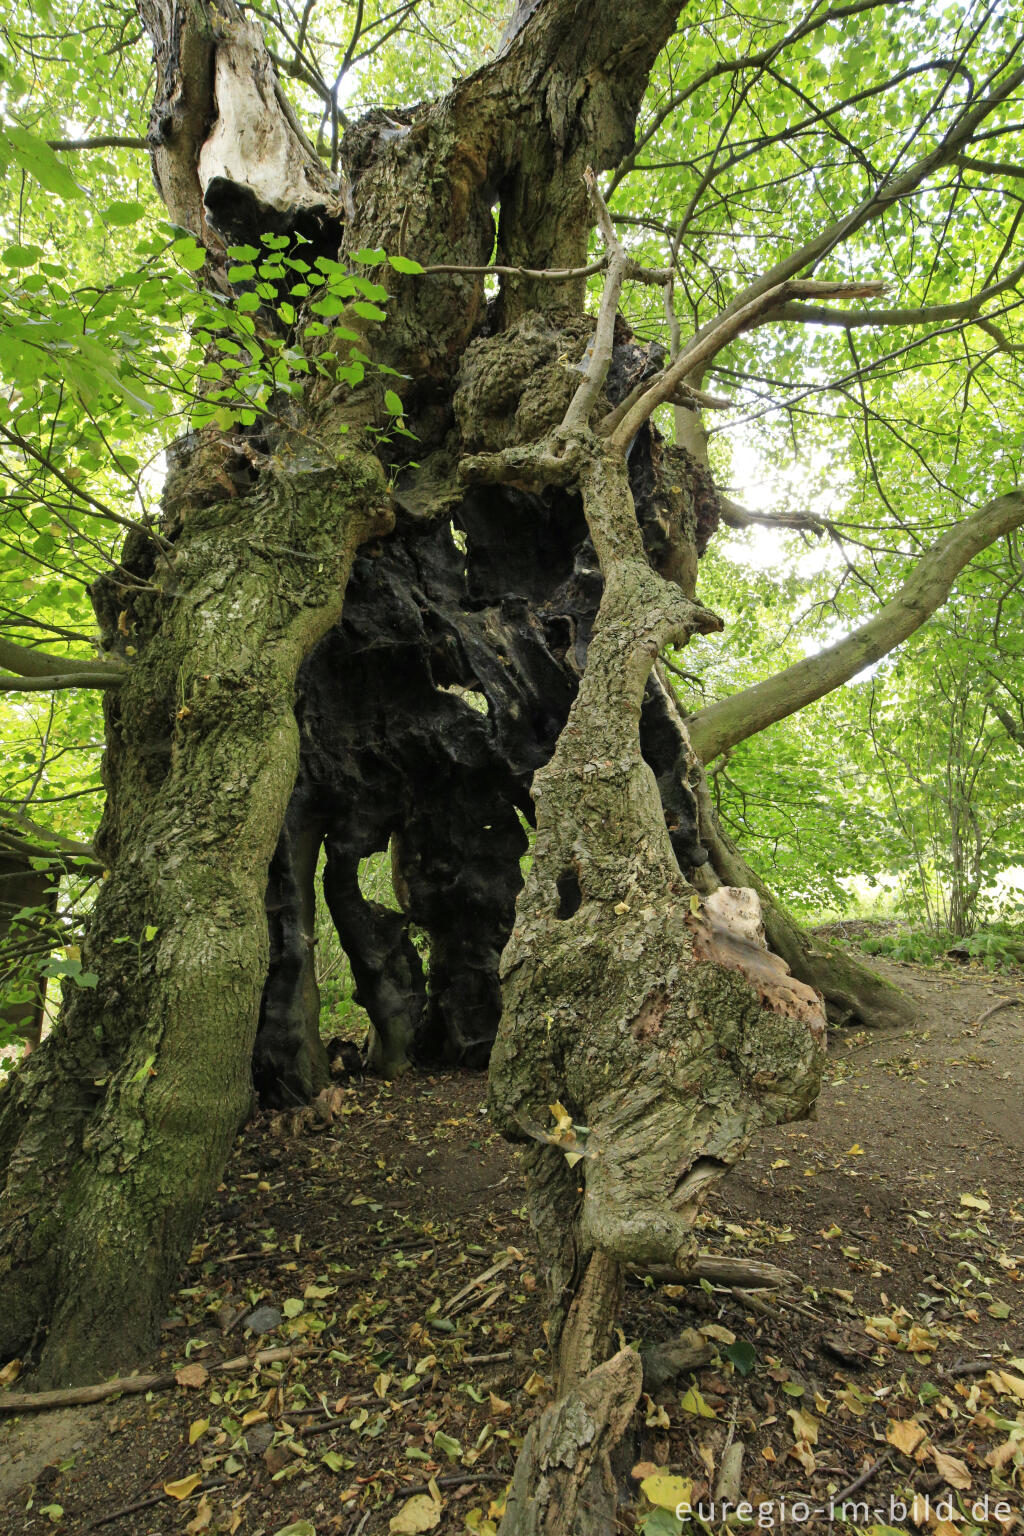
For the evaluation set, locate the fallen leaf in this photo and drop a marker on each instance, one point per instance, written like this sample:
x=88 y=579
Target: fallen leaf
x=692 y=1402
x=1003 y=1381
x=805 y=1426
x=644 y=1469
x=535 y=1384
x=197 y=1429
x=802 y=1453
x=905 y=1434
x=1000 y=1458
x=420 y=1513
x=194 y=1375
x=976 y=1203
x=718 y=1333
x=562 y=1118
x=452 y=1448
x=499 y=1407
x=203 y=1516
x=183 y=1487
x=666 y=1492
x=952 y=1470
x=10 y=1372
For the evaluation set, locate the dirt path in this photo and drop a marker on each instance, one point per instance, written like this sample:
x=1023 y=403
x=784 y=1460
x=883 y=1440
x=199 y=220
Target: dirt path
x=395 y=1240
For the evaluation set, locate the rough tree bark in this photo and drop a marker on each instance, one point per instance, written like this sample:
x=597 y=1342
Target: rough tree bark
x=651 y=1025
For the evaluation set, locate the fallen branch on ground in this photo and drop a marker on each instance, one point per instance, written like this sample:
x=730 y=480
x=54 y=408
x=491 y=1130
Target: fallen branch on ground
x=99 y=1391
x=719 y=1269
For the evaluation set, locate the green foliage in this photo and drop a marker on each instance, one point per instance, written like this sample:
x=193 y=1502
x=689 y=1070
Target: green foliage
x=1000 y=948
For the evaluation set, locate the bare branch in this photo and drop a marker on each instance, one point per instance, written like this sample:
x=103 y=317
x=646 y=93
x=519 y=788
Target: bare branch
x=101 y=141
x=600 y=351
x=711 y=339
x=927 y=314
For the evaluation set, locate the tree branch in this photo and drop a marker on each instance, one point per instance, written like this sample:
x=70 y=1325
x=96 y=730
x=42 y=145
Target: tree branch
x=927 y=314
x=33 y=841
x=872 y=207
x=736 y=516
x=744 y=714
x=38 y=671
x=710 y=340
x=101 y=141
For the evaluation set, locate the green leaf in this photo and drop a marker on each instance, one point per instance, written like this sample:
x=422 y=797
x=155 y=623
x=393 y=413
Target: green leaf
x=368 y=258
x=452 y=1448
x=190 y=254
x=742 y=1355
x=119 y=215
x=368 y=311
x=393 y=403
x=37 y=158
x=21 y=255
x=404 y=264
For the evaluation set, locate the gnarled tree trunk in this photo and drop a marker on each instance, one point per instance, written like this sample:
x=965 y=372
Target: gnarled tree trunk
x=114 y=1134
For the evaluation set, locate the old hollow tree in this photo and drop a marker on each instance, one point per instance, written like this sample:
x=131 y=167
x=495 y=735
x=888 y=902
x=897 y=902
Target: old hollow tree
x=415 y=594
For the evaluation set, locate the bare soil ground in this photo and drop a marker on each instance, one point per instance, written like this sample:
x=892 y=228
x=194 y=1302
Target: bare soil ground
x=394 y=1244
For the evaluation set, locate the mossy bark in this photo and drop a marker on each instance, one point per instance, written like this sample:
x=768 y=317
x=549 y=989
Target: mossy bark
x=633 y=1046
x=114 y=1134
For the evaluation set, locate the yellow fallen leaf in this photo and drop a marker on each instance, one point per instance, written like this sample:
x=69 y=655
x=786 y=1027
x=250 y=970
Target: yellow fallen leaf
x=952 y=1470
x=666 y=1492
x=183 y=1487
x=562 y=1117
x=856 y=1150
x=198 y=1428
x=853 y=1401
x=420 y=1513
x=194 y=1375
x=905 y=1434
x=976 y=1202
x=781 y=1162
x=203 y=1516
x=767 y=1453
x=802 y=1453
x=499 y=1407
x=805 y=1425
x=692 y=1402
x=10 y=1372
x=1005 y=1382
x=1000 y=1458
x=535 y=1384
